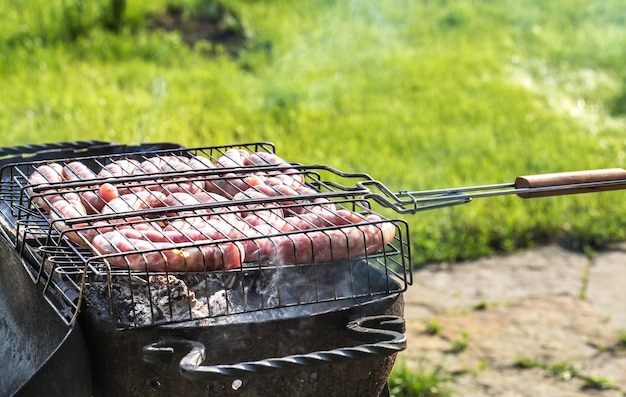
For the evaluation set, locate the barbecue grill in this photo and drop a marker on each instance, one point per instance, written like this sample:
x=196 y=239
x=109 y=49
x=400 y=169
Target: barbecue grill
x=223 y=270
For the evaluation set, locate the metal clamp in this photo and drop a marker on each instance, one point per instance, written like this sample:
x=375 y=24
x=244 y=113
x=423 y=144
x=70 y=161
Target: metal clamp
x=384 y=336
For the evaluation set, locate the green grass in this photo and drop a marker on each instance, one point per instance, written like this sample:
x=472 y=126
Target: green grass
x=565 y=371
x=460 y=344
x=418 y=94
x=596 y=382
x=431 y=382
x=433 y=327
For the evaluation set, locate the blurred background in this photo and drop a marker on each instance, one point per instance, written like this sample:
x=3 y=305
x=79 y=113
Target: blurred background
x=418 y=94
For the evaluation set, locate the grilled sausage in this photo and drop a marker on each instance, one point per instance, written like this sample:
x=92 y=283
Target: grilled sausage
x=160 y=164
x=60 y=204
x=199 y=162
x=167 y=164
x=136 y=201
x=232 y=183
x=108 y=192
x=63 y=209
x=232 y=158
x=319 y=246
x=205 y=182
x=212 y=228
x=89 y=232
x=261 y=202
x=290 y=230
x=45 y=174
x=78 y=171
x=119 y=168
x=286 y=176
x=295 y=206
x=143 y=254
x=252 y=238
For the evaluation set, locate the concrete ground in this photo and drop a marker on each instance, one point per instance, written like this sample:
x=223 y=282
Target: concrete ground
x=543 y=322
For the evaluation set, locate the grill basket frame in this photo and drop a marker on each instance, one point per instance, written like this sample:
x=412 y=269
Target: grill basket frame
x=67 y=271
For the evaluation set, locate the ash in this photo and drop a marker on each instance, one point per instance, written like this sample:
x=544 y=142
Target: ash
x=174 y=300
x=161 y=299
x=237 y=293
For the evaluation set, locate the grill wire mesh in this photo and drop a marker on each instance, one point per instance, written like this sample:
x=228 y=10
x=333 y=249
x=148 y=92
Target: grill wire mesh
x=312 y=246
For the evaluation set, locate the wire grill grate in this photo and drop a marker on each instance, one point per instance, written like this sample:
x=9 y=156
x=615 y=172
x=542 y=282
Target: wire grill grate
x=329 y=266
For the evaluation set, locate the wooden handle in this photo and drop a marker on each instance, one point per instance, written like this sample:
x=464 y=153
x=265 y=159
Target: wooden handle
x=571 y=178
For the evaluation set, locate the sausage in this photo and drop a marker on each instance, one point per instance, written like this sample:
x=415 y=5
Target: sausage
x=293 y=180
x=267 y=218
x=45 y=174
x=232 y=158
x=295 y=229
x=61 y=205
x=321 y=217
x=262 y=212
x=288 y=176
x=232 y=183
x=108 y=192
x=295 y=206
x=250 y=238
x=63 y=209
x=160 y=164
x=134 y=258
x=142 y=254
x=256 y=240
x=136 y=201
x=178 y=199
x=119 y=168
x=212 y=228
x=229 y=183
x=318 y=246
x=289 y=207
x=206 y=183
x=78 y=171
x=177 y=185
x=166 y=164
x=168 y=235
x=206 y=197
x=263 y=203
x=199 y=162
x=89 y=232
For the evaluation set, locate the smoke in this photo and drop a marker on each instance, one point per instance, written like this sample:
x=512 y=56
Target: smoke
x=259 y=293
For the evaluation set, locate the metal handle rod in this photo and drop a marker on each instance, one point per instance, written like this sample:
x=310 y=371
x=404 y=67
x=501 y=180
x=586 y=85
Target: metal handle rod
x=542 y=185
x=384 y=336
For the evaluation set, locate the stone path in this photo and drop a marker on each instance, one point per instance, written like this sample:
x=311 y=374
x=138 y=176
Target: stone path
x=544 y=322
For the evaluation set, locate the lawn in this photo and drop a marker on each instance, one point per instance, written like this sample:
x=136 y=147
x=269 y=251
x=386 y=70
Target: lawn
x=419 y=94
